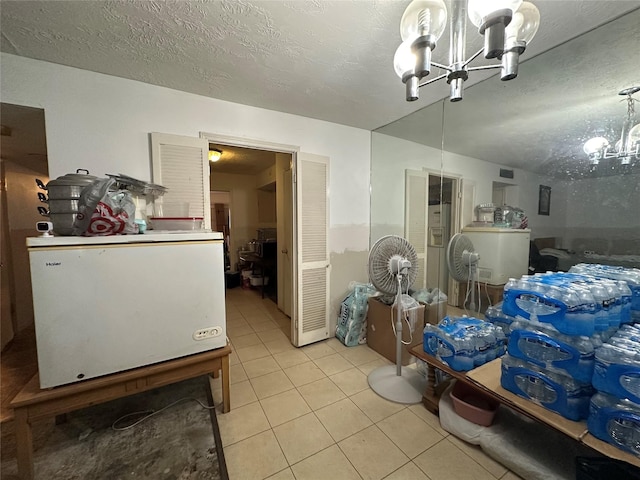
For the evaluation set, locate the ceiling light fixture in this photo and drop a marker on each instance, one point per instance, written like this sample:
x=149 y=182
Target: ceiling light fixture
x=628 y=147
x=214 y=155
x=507 y=26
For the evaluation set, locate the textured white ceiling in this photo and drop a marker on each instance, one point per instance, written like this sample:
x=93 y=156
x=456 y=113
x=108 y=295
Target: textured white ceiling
x=241 y=161
x=330 y=60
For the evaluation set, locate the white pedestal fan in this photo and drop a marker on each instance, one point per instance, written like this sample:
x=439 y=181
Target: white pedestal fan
x=462 y=260
x=393 y=267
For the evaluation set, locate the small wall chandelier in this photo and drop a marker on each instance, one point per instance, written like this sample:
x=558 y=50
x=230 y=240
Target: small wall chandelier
x=628 y=147
x=507 y=26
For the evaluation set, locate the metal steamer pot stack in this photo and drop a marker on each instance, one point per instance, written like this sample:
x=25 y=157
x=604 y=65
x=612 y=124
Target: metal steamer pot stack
x=63 y=196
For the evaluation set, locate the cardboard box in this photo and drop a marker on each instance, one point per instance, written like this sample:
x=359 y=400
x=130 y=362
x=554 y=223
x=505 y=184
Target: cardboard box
x=434 y=312
x=492 y=292
x=380 y=336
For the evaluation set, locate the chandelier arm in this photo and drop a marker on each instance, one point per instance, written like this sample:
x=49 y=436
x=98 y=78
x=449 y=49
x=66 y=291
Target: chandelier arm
x=443 y=67
x=484 y=67
x=472 y=58
x=435 y=79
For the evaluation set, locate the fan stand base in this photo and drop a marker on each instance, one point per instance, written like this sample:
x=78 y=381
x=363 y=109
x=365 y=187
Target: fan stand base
x=406 y=388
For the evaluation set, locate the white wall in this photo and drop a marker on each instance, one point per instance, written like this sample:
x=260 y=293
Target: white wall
x=391 y=156
x=102 y=123
x=605 y=210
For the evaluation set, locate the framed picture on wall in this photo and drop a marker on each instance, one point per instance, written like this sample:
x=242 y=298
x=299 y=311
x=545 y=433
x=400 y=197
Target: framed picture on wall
x=544 y=200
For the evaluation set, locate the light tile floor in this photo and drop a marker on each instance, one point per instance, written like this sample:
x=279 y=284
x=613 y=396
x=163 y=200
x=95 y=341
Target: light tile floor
x=308 y=413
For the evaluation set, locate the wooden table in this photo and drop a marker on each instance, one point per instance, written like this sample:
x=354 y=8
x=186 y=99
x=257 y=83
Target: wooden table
x=487 y=379
x=33 y=403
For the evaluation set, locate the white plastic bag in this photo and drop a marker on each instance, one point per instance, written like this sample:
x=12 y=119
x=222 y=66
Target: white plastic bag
x=102 y=212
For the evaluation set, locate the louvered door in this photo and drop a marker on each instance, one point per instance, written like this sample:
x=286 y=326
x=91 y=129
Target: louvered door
x=311 y=311
x=181 y=164
x=415 y=219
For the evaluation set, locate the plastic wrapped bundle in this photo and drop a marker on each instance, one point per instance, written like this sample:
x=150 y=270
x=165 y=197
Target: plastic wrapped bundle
x=464 y=342
x=631 y=276
x=495 y=315
x=617 y=368
x=574 y=304
x=613 y=297
x=351 y=329
x=548 y=388
x=615 y=421
x=544 y=346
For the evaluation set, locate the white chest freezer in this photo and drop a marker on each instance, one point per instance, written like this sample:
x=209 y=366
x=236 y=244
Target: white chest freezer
x=504 y=252
x=108 y=304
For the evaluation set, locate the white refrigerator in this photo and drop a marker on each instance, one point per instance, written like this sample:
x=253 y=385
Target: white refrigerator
x=107 y=304
x=439 y=233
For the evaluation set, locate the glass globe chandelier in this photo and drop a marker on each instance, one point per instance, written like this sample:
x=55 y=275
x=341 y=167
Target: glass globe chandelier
x=507 y=26
x=628 y=147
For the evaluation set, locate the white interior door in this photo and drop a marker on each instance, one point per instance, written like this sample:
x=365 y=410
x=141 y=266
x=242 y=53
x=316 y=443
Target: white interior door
x=181 y=164
x=310 y=319
x=416 y=219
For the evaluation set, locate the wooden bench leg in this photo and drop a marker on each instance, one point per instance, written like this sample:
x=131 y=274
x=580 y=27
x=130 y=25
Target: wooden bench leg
x=24 y=444
x=430 y=397
x=226 y=394
x=224 y=374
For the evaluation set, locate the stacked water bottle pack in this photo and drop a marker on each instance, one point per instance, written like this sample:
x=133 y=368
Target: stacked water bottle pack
x=575 y=304
x=464 y=342
x=614 y=413
x=549 y=368
x=556 y=322
x=571 y=334
x=629 y=275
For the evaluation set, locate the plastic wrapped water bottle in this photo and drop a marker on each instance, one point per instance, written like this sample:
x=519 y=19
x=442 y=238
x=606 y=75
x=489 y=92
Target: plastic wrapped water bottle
x=625 y=294
x=496 y=316
x=549 y=388
x=616 y=421
x=617 y=369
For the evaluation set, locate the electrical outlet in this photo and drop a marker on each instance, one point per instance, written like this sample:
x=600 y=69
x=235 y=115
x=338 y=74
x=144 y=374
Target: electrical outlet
x=205 y=333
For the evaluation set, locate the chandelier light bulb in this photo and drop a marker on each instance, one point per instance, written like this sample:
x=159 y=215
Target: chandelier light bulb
x=595 y=145
x=404 y=63
x=424 y=17
x=527 y=21
x=518 y=34
x=404 y=60
x=633 y=141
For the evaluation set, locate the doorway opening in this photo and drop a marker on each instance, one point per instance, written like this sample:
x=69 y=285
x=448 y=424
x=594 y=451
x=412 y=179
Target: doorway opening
x=24 y=158
x=439 y=230
x=251 y=205
x=504 y=194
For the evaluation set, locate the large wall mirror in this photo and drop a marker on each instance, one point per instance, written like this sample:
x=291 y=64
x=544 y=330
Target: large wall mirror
x=520 y=143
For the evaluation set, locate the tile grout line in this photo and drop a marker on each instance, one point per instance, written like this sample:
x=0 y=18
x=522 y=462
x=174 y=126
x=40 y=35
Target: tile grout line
x=346 y=396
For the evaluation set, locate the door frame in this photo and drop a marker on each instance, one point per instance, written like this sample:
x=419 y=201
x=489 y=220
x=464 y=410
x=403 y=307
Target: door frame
x=457 y=219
